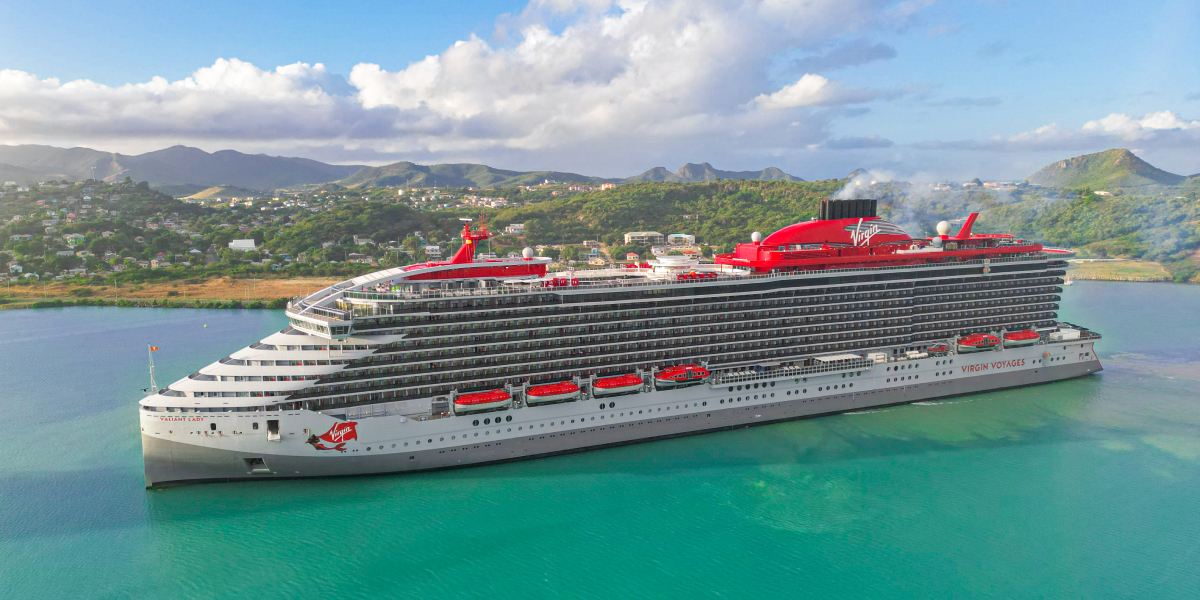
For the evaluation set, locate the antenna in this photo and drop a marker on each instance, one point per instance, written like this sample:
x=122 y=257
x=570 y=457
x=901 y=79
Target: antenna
x=153 y=385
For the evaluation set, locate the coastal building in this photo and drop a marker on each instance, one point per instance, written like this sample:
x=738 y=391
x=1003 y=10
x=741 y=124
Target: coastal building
x=515 y=229
x=644 y=238
x=242 y=245
x=681 y=239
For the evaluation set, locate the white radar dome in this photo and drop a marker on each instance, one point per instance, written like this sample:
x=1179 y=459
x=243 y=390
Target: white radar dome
x=943 y=228
x=527 y=253
x=756 y=237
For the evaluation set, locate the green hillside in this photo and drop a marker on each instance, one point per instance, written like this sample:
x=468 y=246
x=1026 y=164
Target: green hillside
x=1118 y=168
x=720 y=213
x=22 y=175
x=407 y=174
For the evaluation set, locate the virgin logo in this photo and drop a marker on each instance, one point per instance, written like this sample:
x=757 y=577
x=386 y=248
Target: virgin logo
x=337 y=435
x=862 y=237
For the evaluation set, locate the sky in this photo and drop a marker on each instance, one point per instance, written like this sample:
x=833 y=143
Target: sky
x=916 y=89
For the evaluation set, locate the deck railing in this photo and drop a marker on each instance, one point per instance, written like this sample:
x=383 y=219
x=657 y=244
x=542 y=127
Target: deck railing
x=723 y=277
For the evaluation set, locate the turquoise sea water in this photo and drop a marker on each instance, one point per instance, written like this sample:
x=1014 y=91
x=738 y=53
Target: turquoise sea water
x=1087 y=488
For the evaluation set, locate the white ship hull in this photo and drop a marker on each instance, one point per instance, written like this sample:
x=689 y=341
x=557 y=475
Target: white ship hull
x=191 y=447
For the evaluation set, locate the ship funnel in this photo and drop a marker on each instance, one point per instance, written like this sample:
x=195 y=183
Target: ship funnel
x=848 y=209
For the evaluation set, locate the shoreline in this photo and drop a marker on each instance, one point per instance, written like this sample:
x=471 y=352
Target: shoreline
x=23 y=303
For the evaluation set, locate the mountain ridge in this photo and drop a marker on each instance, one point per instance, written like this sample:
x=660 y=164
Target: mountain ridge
x=702 y=172
x=175 y=165
x=405 y=173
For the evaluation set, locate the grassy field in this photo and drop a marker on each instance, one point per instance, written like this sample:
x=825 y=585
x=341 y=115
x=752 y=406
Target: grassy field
x=224 y=289
x=1118 y=270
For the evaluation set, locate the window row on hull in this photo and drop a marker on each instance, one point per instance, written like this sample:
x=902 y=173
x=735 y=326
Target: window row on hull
x=590 y=363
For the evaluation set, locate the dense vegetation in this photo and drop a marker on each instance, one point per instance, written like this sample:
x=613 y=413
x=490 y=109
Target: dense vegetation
x=718 y=213
x=349 y=232
x=1108 y=170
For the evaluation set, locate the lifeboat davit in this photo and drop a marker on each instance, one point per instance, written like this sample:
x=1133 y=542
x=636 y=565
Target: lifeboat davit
x=978 y=342
x=564 y=391
x=621 y=384
x=679 y=376
x=482 y=401
x=1018 y=339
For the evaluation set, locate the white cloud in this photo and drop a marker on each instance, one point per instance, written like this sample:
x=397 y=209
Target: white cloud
x=1162 y=129
x=644 y=77
x=814 y=90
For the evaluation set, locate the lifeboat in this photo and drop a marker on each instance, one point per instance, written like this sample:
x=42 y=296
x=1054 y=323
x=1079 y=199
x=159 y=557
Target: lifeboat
x=564 y=391
x=938 y=350
x=679 y=376
x=482 y=402
x=1018 y=339
x=621 y=384
x=978 y=342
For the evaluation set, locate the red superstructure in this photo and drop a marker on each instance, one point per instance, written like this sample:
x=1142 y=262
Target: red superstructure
x=865 y=240
x=464 y=265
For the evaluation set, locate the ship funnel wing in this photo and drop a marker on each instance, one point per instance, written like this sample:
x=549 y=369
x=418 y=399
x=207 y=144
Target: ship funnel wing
x=965 y=232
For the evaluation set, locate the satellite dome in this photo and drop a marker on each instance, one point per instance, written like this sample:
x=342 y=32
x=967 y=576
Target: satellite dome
x=756 y=237
x=943 y=228
x=527 y=253
x=936 y=242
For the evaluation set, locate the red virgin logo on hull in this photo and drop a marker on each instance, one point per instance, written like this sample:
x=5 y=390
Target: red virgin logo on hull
x=994 y=366
x=337 y=436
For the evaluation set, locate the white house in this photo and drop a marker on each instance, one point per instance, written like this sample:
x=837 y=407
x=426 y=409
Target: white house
x=681 y=239
x=643 y=237
x=515 y=229
x=242 y=245
x=433 y=251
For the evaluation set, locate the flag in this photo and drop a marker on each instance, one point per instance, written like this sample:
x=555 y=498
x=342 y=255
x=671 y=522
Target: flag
x=154 y=348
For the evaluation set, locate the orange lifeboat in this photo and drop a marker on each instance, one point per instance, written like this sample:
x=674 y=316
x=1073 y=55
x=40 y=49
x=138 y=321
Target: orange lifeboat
x=482 y=402
x=680 y=376
x=620 y=384
x=563 y=391
x=1018 y=339
x=978 y=342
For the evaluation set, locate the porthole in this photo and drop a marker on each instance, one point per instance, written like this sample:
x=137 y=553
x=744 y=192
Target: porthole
x=393 y=445
x=722 y=401
x=508 y=418
x=487 y=421
x=475 y=422
x=731 y=389
x=704 y=403
x=612 y=404
x=772 y=384
x=254 y=425
x=212 y=426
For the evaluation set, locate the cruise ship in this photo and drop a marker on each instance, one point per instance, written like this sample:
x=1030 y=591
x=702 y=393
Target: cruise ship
x=471 y=361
